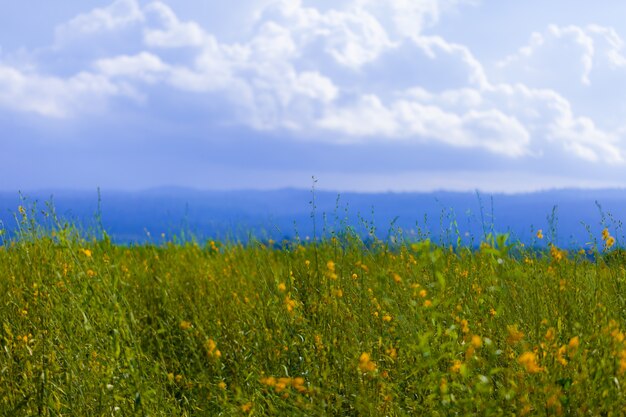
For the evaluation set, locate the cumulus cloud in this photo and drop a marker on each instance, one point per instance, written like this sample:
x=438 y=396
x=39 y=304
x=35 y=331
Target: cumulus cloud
x=116 y=16
x=57 y=97
x=360 y=71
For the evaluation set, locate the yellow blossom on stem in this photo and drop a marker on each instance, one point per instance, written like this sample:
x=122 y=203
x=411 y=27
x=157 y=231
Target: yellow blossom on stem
x=539 y=234
x=365 y=363
x=572 y=346
x=561 y=355
x=529 y=361
x=211 y=349
x=556 y=253
x=609 y=242
x=290 y=303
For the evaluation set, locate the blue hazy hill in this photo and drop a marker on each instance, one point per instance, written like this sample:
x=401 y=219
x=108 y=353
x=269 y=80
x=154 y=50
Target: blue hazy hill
x=566 y=216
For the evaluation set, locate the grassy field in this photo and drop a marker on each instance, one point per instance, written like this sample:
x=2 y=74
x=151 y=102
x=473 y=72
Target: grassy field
x=335 y=327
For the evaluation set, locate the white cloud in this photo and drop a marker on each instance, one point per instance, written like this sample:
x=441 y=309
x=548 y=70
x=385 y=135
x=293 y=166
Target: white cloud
x=173 y=33
x=312 y=73
x=118 y=15
x=56 y=97
x=410 y=120
x=550 y=50
x=145 y=66
x=409 y=17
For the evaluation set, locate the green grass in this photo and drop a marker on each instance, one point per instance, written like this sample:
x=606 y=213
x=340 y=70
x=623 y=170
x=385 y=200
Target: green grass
x=330 y=328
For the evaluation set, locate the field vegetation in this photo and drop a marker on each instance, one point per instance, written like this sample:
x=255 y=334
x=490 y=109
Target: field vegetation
x=332 y=326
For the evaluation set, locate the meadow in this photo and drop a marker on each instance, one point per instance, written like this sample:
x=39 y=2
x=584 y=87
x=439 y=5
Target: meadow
x=332 y=326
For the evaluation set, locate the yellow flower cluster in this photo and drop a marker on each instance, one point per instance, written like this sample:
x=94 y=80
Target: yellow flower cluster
x=366 y=364
x=556 y=253
x=290 y=304
x=281 y=384
x=609 y=241
x=211 y=349
x=246 y=408
x=529 y=361
x=330 y=265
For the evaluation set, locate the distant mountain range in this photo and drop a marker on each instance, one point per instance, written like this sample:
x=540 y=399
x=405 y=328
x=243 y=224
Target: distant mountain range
x=568 y=217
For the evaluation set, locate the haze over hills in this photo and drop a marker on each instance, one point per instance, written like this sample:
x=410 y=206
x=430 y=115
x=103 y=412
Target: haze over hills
x=566 y=216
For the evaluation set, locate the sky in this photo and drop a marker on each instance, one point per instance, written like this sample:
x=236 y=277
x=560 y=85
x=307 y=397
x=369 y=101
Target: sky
x=363 y=95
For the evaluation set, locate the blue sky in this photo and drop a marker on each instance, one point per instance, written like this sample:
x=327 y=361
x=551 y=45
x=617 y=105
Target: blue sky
x=402 y=95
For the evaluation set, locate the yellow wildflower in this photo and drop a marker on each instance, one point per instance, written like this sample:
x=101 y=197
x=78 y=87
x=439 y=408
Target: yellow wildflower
x=387 y=318
x=185 y=325
x=556 y=253
x=282 y=287
x=572 y=346
x=247 y=407
x=561 y=356
x=290 y=303
x=211 y=349
x=221 y=385
x=610 y=242
x=87 y=252
x=428 y=303
x=392 y=352
x=477 y=341
x=539 y=234
x=529 y=361
x=365 y=364
x=269 y=381
x=605 y=234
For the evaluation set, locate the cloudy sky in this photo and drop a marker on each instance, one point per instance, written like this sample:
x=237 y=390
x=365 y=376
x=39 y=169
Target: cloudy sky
x=366 y=95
